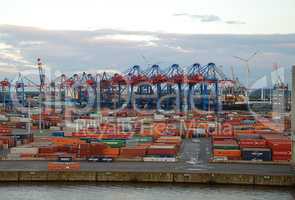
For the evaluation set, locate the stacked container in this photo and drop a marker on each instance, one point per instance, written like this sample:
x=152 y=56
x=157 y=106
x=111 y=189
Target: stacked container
x=133 y=152
x=89 y=150
x=161 y=153
x=226 y=148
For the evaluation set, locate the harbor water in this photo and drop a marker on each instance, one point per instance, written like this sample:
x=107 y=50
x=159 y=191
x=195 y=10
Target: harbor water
x=138 y=191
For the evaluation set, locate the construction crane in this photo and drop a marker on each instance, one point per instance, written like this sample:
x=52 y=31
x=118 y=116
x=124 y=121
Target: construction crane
x=41 y=74
x=20 y=90
x=106 y=92
x=210 y=85
x=135 y=79
x=41 y=91
x=156 y=78
x=119 y=84
x=194 y=78
x=175 y=77
x=6 y=94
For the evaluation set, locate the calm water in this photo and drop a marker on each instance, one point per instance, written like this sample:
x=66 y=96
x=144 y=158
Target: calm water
x=138 y=192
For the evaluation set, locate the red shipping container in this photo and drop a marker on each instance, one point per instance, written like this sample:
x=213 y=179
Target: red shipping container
x=219 y=137
x=281 y=153
x=133 y=152
x=234 y=158
x=249 y=143
x=225 y=142
x=87 y=150
x=162 y=150
x=281 y=158
x=44 y=150
x=278 y=145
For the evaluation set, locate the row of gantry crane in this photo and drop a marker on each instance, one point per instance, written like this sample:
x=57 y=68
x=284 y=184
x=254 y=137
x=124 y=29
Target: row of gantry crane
x=176 y=88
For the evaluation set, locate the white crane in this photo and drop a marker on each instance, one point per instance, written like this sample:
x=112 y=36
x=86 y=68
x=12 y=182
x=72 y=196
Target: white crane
x=246 y=61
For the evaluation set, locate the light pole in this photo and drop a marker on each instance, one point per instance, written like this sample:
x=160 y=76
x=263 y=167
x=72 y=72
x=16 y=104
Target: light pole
x=29 y=115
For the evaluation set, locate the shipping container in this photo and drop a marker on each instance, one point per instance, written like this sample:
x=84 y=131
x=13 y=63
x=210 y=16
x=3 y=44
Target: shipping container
x=128 y=152
x=162 y=150
x=226 y=146
x=114 y=143
x=252 y=143
x=159 y=159
x=262 y=154
x=226 y=153
x=58 y=134
x=63 y=166
x=24 y=150
x=111 y=152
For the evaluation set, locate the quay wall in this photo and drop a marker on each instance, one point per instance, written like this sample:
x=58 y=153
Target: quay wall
x=158 y=177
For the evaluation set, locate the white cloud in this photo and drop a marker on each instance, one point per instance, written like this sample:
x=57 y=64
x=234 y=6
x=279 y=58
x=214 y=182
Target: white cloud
x=31 y=43
x=234 y=22
x=127 y=37
x=70 y=51
x=8 y=69
x=286 y=45
x=108 y=70
x=12 y=59
x=208 y=18
x=202 y=18
x=4 y=46
x=179 y=49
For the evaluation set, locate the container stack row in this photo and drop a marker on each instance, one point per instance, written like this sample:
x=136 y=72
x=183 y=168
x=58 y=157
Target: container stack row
x=255 y=147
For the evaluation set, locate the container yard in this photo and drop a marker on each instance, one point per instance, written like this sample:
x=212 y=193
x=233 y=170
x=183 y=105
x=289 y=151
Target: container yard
x=129 y=126
x=235 y=136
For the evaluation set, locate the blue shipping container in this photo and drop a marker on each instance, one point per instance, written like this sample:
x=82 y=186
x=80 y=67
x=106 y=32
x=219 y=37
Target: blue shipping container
x=57 y=134
x=263 y=154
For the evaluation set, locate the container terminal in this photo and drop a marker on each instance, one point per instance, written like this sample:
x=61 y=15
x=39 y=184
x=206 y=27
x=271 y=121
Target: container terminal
x=192 y=125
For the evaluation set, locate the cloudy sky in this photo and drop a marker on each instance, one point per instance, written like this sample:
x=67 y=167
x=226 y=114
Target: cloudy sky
x=94 y=35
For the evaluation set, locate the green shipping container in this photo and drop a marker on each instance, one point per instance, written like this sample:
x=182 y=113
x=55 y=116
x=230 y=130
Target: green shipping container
x=114 y=143
x=226 y=147
x=144 y=139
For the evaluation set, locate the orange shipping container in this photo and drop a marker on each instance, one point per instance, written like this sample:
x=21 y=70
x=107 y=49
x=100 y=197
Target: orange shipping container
x=63 y=141
x=111 y=152
x=159 y=128
x=60 y=166
x=226 y=153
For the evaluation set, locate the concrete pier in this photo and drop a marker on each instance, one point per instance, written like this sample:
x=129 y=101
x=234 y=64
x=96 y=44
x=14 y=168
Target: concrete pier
x=156 y=177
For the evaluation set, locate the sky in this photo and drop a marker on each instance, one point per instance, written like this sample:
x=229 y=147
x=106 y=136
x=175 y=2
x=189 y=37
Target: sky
x=86 y=35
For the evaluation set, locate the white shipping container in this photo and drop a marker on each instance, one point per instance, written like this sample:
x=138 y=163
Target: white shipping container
x=14 y=119
x=35 y=111
x=93 y=115
x=54 y=128
x=170 y=137
x=26 y=150
x=157 y=159
x=3 y=119
x=25 y=120
x=200 y=131
x=213 y=125
x=159 y=117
